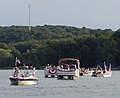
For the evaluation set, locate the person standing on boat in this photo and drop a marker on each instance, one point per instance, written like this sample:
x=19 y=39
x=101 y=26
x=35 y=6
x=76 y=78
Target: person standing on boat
x=16 y=72
x=34 y=70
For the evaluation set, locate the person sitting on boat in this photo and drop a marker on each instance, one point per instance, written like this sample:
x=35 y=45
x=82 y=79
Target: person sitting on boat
x=73 y=66
x=47 y=66
x=27 y=74
x=66 y=66
x=22 y=75
x=54 y=67
x=61 y=66
x=58 y=67
x=16 y=72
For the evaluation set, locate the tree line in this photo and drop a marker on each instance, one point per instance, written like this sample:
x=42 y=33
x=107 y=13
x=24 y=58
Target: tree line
x=47 y=44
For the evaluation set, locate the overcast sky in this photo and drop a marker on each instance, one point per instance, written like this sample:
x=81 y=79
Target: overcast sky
x=94 y=14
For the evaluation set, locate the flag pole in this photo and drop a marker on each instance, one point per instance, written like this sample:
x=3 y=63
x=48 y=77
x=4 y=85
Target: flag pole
x=29 y=18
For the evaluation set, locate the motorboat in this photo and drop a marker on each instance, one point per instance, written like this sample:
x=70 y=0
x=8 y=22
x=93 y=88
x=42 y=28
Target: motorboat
x=68 y=68
x=23 y=75
x=50 y=71
x=90 y=71
x=103 y=70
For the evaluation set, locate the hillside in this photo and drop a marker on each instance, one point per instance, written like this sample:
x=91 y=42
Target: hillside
x=47 y=44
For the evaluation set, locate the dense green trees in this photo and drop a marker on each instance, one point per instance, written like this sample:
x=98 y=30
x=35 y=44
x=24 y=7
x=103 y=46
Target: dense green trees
x=47 y=44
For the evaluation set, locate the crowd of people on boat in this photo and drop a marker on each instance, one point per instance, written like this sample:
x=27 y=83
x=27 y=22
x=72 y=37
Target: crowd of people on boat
x=18 y=73
x=64 y=66
x=50 y=66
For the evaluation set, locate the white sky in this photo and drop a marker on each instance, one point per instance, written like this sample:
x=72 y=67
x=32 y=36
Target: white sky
x=94 y=14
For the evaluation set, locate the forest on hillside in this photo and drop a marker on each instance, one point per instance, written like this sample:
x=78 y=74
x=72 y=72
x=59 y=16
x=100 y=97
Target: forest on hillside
x=47 y=44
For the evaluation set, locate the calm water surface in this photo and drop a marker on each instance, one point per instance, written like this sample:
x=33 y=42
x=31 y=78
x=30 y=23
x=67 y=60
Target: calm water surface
x=84 y=87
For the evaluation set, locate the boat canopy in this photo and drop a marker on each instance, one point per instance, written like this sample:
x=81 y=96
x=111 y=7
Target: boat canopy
x=69 y=61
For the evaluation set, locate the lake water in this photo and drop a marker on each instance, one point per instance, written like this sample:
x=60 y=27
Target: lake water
x=84 y=87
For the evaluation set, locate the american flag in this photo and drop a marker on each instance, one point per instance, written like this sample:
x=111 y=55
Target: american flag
x=17 y=61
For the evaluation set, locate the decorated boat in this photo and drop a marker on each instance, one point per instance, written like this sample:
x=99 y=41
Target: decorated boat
x=23 y=74
x=68 y=68
x=50 y=71
x=103 y=70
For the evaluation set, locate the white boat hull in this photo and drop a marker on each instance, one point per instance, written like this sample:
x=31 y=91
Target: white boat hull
x=23 y=81
x=107 y=74
x=71 y=74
